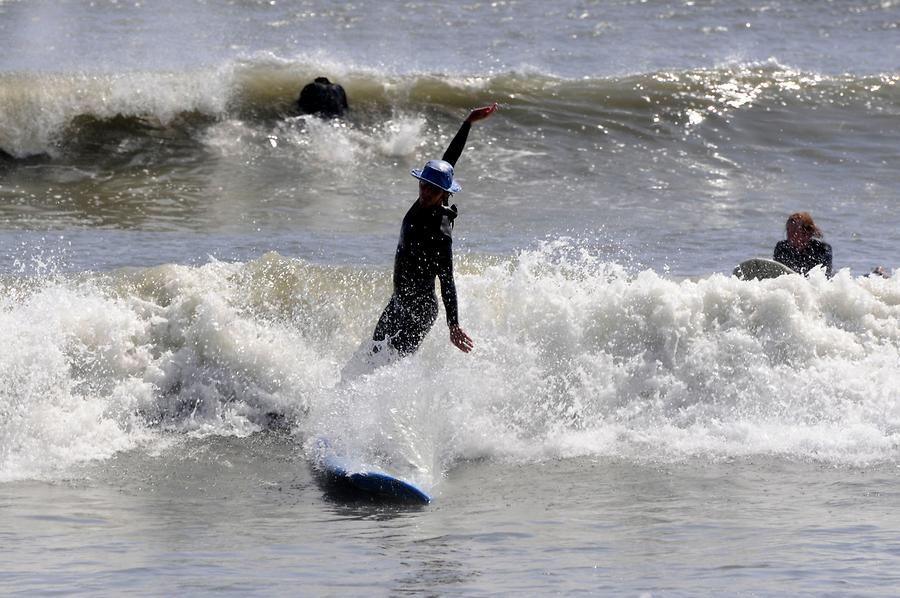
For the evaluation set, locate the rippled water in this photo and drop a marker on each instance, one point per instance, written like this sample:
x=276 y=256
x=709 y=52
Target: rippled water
x=244 y=517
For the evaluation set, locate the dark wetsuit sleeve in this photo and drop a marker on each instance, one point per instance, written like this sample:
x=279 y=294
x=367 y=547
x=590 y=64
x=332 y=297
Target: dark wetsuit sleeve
x=448 y=286
x=826 y=259
x=445 y=270
x=455 y=149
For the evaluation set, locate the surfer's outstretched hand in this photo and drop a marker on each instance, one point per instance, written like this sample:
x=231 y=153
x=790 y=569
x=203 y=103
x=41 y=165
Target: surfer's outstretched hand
x=481 y=113
x=461 y=339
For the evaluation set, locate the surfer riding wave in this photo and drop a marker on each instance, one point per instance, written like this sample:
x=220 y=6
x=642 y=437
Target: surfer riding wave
x=424 y=252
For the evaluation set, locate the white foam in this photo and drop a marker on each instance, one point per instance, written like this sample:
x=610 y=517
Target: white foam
x=88 y=372
x=63 y=403
x=574 y=357
x=37 y=107
x=401 y=136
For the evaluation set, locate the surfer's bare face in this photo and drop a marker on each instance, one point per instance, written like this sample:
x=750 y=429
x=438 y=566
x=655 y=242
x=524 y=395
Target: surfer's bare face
x=430 y=196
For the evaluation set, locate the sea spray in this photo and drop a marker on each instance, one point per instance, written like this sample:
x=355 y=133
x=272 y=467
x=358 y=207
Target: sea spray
x=98 y=365
x=53 y=411
x=38 y=110
x=574 y=356
x=716 y=366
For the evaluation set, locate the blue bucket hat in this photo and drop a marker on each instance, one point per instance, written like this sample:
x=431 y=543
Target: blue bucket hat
x=439 y=174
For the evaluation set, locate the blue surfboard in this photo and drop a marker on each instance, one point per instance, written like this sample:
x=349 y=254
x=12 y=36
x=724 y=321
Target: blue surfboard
x=371 y=483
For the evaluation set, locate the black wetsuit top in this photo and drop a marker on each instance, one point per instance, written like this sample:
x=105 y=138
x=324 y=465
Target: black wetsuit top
x=816 y=253
x=424 y=252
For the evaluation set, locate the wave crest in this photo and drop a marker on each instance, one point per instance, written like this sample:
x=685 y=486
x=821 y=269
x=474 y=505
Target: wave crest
x=39 y=110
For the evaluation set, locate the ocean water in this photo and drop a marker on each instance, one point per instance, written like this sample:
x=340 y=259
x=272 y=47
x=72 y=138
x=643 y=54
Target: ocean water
x=187 y=266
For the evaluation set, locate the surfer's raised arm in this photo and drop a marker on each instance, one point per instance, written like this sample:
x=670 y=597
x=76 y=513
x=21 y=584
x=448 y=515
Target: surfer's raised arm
x=455 y=149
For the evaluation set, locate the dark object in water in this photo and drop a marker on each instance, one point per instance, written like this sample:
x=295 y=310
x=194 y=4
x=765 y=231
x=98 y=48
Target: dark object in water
x=8 y=161
x=323 y=98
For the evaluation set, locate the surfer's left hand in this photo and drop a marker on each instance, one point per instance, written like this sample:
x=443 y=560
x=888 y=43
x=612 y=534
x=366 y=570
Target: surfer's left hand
x=460 y=339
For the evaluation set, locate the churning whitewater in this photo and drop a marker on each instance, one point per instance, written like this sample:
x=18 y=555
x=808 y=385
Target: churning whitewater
x=591 y=360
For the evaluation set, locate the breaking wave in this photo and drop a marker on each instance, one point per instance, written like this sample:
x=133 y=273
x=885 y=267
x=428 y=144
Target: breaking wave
x=574 y=357
x=43 y=113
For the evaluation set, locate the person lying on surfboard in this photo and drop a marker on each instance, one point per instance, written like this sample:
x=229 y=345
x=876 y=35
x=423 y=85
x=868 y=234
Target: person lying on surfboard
x=802 y=250
x=424 y=252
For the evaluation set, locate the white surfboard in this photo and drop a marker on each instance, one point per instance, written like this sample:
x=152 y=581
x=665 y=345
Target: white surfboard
x=758 y=268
